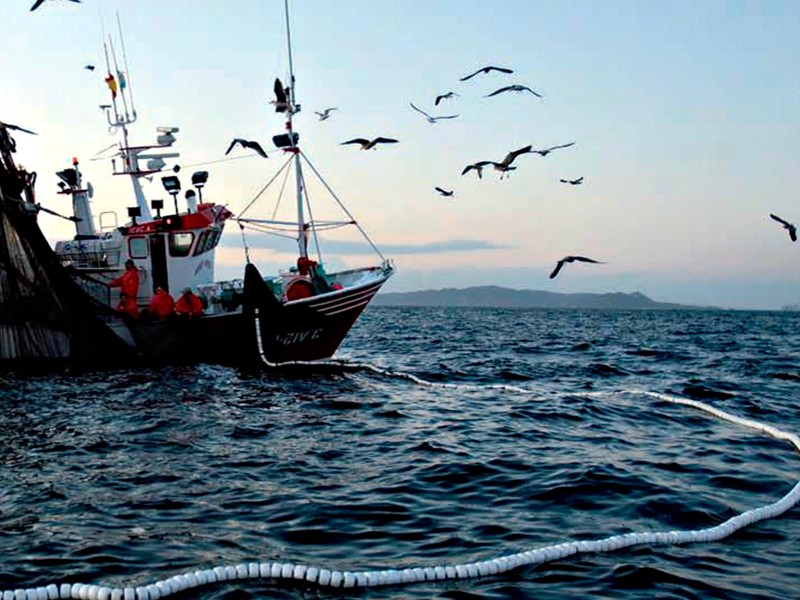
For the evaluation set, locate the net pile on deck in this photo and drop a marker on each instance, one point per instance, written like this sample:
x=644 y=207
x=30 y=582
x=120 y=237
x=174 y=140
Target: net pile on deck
x=45 y=318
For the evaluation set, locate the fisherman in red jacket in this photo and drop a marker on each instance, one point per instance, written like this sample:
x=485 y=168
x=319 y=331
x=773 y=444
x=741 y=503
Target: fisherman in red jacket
x=128 y=283
x=161 y=304
x=188 y=305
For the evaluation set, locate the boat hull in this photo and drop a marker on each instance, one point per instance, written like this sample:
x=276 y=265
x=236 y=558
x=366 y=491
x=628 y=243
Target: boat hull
x=265 y=332
x=304 y=330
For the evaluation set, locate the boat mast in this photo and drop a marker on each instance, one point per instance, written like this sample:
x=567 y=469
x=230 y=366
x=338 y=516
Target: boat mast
x=302 y=228
x=121 y=121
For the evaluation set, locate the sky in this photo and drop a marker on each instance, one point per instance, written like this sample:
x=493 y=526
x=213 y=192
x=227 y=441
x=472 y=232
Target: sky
x=685 y=117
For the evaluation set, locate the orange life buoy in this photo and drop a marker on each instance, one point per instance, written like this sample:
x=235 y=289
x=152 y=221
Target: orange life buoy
x=299 y=288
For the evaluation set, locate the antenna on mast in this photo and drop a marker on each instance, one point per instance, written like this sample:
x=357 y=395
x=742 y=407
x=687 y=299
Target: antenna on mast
x=121 y=82
x=125 y=63
x=111 y=83
x=291 y=66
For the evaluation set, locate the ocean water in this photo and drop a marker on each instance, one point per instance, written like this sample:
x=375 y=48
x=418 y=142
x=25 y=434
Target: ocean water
x=541 y=427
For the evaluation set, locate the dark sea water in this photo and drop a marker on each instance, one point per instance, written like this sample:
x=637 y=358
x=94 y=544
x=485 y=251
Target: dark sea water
x=127 y=478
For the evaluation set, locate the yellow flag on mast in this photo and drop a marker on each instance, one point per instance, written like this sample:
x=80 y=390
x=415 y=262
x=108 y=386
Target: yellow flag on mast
x=112 y=85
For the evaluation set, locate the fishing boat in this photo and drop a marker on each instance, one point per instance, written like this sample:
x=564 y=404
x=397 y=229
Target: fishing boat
x=300 y=314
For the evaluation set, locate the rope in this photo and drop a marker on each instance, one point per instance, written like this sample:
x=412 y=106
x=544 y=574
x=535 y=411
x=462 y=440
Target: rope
x=331 y=578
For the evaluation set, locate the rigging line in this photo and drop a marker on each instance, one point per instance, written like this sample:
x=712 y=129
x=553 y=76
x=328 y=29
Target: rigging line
x=125 y=62
x=311 y=216
x=213 y=162
x=342 y=206
x=280 y=194
x=263 y=189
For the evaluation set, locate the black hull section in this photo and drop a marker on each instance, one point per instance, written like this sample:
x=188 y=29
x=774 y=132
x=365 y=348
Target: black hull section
x=305 y=330
x=46 y=320
x=265 y=333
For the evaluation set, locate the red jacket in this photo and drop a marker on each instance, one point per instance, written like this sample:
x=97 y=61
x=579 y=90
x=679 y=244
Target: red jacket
x=161 y=304
x=128 y=283
x=188 y=304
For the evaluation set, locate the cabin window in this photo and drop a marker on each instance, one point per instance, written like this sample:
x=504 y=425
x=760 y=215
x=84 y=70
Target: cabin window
x=137 y=247
x=180 y=244
x=207 y=241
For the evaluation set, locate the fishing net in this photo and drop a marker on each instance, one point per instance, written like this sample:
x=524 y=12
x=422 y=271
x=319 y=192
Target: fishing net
x=45 y=318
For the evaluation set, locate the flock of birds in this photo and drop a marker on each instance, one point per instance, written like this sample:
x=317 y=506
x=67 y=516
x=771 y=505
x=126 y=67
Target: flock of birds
x=504 y=166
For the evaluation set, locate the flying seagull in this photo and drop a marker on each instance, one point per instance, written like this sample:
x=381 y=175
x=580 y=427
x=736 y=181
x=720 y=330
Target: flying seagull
x=247 y=144
x=444 y=192
x=787 y=226
x=514 y=88
x=569 y=259
x=511 y=156
x=281 y=100
x=504 y=166
x=367 y=144
x=38 y=3
x=325 y=113
x=547 y=151
x=577 y=181
x=486 y=70
x=429 y=117
x=446 y=96
x=16 y=128
x=504 y=169
x=478 y=166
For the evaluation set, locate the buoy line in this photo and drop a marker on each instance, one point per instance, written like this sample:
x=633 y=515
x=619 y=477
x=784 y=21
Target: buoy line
x=368 y=367
x=333 y=578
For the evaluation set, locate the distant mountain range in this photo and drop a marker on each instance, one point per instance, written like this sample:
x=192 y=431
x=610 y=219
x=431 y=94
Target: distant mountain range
x=500 y=297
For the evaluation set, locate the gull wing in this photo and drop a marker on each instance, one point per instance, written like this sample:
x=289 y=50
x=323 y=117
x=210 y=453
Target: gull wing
x=585 y=259
x=257 y=147
x=233 y=143
x=419 y=110
x=500 y=91
x=559 y=265
x=561 y=146
x=779 y=220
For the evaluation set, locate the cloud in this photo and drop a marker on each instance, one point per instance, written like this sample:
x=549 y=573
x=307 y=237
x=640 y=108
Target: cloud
x=268 y=242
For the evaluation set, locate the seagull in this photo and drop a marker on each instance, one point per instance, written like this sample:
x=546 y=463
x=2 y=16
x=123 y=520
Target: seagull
x=478 y=166
x=430 y=118
x=445 y=192
x=247 y=144
x=441 y=97
x=569 y=259
x=486 y=70
x=504 y=169
x=16 y=128
x=514 y=88
x=547 y=151
x=787 y=226
x=577 y=181
x=325 y=113
x=367 y=144
x=89 y=67
x=504 y=166
x=281 y=101
x=38 y=3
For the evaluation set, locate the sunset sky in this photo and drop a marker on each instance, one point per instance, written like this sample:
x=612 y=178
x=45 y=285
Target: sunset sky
x=685 y=114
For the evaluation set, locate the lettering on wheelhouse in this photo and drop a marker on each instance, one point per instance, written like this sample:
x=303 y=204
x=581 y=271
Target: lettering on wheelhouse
x=298 y=337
